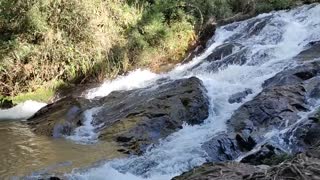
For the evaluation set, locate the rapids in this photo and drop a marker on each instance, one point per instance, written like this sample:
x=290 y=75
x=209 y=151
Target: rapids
x=269 y=43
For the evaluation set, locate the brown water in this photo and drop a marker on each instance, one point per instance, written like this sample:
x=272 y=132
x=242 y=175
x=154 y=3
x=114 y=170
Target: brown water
x=23 y=153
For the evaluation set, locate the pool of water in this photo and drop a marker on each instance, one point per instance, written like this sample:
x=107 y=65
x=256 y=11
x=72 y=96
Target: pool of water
x=22 y=153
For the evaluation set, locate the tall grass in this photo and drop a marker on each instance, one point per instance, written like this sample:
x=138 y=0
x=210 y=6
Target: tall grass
x=43 y=42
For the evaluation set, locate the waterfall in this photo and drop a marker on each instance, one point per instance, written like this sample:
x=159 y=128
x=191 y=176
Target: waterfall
x=264 y=46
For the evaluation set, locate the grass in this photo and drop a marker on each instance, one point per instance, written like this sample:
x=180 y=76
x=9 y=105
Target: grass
x=40 y=95
x=81 y=41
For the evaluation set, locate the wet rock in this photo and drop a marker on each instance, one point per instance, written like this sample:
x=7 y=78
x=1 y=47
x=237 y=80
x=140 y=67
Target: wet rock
x=311 y=53
x=223 y=56
x=277 y=107
x=59 y=118
x=238 y=97
x=295 y=76
x=304 y=135
x=134 y=119
x=222 y=51
x=274 y=107
x=145 y=116
x=267 y=154
x=221 y=148
x=253 y=27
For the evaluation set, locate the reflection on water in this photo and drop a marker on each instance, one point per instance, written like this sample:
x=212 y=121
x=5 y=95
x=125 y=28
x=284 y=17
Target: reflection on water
x=24 y=153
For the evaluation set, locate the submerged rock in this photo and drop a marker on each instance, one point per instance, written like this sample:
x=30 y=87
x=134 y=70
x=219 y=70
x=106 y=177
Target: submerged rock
x=238 y=97
x=134 y=119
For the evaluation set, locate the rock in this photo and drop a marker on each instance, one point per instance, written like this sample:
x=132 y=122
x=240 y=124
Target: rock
x=277 y=107
x=310 y=53
x=267 y=154
x=134 y=119
x=147 y=116
x=300 y=166
x=304 y=135
x=219 y=171
x=238 y=97
x=221 y=148
x=222 y=51
x=223 y=56
x=59 y=118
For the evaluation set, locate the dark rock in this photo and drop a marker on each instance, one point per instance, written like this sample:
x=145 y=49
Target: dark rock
x=223 y=56
x=238 y=97
x=145 y=116
x=278 y=106
x=266 y=153
x=221 y=148
x=134 y=119
x=222 y=51
x=253 y=27
x=311 y=53
x=59 y=118
x=304 y=135
x=294 y=76
x=274 y=107
x=245 y=144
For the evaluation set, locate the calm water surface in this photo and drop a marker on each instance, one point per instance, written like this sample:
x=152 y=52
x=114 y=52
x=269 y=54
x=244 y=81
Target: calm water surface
x=23 y=153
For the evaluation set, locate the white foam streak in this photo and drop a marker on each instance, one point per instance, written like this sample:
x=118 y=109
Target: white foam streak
x=86 y=133
x=21 y=111
x=136 y=79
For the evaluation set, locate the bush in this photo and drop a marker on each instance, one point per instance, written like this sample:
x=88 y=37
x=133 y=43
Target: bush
x=77 y=41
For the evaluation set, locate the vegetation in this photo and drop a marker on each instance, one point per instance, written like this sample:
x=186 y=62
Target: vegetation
x=47 y=43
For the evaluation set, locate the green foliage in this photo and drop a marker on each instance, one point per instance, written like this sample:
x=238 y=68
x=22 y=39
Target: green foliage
x=41 y=95
x=269 y=5
x=76 y=41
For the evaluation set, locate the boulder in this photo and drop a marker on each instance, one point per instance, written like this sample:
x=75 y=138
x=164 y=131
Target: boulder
x=222 y=147
x=134 y=119
x=267 y=154
x=138 y=118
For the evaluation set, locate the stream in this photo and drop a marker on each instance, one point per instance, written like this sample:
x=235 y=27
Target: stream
x=264 y=46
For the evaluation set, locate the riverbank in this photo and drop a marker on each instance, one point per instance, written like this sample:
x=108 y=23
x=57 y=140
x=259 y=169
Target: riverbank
x=51 y=45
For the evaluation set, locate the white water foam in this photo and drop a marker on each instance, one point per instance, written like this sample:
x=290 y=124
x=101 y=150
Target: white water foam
x=86 y=133
x=270 y=50
x=21 y=111
x=136 y=79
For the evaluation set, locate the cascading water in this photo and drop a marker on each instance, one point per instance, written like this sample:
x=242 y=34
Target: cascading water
x=21 y=111
x=268 y=44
